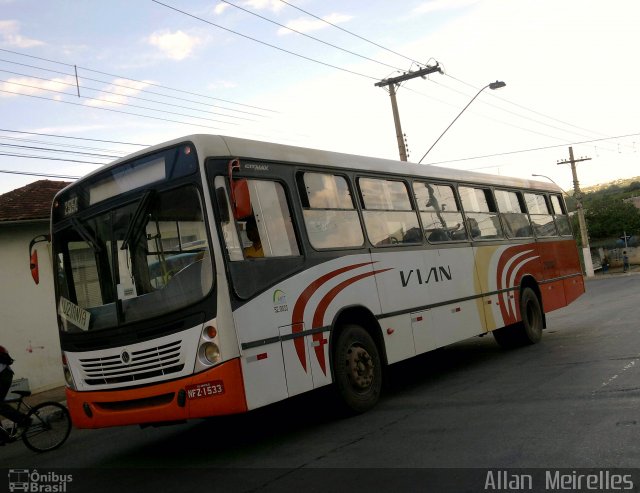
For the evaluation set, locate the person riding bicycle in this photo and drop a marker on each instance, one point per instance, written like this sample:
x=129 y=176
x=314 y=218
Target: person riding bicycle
x=6 y=377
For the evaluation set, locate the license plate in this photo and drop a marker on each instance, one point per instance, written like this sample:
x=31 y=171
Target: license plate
x=207 y=389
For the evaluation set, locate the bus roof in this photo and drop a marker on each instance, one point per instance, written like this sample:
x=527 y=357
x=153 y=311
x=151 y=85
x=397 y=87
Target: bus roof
x=223 y=146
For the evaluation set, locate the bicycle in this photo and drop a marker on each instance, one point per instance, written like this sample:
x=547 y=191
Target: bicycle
x=49 y=424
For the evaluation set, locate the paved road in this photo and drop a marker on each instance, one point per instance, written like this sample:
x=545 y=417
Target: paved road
x=572 y=401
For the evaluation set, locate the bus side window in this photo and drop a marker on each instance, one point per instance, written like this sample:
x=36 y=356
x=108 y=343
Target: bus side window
x=481 y=213
x=540 y=214
x=514 y=214
x=329 y=212
x=389 y=217
x=440 y=212
x=560 y=215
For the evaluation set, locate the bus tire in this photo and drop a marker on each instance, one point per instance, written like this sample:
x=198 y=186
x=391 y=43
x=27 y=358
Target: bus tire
x=357 y=370
x=529 y=330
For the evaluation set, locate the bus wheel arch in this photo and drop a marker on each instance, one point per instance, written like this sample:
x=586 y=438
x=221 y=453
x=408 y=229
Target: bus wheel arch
x=528 y=330
x=357 y=360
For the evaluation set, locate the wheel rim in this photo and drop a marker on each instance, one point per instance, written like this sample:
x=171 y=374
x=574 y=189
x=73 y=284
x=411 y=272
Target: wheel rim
x=360 y=368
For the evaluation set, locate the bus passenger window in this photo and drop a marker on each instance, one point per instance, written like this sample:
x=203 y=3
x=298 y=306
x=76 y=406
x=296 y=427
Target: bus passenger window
x=560 y=215
x=540 y=214
x=388 y=215
x=514 y=215
x=482 y=216
x=440 y=212
x=329 y=213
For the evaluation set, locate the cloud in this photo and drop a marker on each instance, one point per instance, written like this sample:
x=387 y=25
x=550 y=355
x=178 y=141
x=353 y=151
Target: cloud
x=176 y=45
x=118 y=93
x=306 y=25
x=10 y=35
x=35 y=87
x=220 y=8
x=273 y=5
x=440 y=5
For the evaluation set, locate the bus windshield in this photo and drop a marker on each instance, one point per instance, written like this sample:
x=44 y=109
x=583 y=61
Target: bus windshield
x=135 y=261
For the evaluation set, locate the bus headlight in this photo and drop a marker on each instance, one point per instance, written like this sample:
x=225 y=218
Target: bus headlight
x=67 y=373
x=211 y=352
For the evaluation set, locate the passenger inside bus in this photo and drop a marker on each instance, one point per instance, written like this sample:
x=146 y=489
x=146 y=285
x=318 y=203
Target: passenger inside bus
x=255 y=249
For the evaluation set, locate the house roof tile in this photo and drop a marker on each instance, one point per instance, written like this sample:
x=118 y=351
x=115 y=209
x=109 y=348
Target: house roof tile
x=30 y=202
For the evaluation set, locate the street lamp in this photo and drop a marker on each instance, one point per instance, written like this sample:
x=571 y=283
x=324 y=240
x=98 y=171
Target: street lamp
x=494 y=85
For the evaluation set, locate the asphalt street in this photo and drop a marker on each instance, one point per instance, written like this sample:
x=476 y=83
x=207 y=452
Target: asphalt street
x=571 y=401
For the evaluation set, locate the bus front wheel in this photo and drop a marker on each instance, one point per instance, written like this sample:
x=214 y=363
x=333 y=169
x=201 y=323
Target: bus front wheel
x=357 y=370
x=529 y=330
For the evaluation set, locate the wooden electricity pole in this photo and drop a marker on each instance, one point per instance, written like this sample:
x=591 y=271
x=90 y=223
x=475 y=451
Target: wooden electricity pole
x=577 y=194
x=395 y=82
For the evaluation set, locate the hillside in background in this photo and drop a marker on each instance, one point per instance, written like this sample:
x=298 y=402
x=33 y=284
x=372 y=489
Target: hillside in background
x=616 y=190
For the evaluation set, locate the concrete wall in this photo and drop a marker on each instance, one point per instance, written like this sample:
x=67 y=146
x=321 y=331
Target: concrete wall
x=28 y=315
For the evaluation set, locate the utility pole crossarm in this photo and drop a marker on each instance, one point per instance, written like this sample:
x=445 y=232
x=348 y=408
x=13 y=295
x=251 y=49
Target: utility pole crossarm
x=409 y=75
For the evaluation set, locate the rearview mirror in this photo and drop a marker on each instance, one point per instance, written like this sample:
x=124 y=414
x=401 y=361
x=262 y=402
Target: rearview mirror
x=33 y=257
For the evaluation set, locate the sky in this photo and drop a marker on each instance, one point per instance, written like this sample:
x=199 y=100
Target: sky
x=82 y=83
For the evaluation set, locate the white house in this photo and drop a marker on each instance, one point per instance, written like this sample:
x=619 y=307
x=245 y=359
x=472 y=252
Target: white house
x=28 y=326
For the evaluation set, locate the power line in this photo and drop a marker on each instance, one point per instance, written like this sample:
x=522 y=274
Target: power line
x=139 y=81
x=527 y=109
x=111 y=110
x=87 y=88
x=310 y=37
x=114 y=102
x=46 y=175
x=74 y=138
x=79 y=153
x=70 y=146
x=49 y=158
x=265 y=43
x=351 y=33
x=533 y=149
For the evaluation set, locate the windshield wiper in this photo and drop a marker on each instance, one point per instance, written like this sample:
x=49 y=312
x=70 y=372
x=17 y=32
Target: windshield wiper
x=137 y=220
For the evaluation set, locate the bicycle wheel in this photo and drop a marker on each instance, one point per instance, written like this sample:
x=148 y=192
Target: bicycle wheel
x=49 y=428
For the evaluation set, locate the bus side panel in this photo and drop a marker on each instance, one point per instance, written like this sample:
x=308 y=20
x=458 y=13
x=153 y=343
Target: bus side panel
x=573 y=288
x=264 y=375
x=436 y=280
x=284 y=329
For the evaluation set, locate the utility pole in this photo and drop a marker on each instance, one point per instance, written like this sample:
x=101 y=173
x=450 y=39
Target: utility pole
x=577 y=194
x=395 y=82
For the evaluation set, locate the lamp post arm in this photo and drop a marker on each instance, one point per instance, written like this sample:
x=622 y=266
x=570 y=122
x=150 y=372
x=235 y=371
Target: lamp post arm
x=454 y=120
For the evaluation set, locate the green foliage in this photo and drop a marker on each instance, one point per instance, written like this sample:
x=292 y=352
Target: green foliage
x=608 y=217
x=606 y=213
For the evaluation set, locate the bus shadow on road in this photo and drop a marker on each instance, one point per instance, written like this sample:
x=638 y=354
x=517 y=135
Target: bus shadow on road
x=219 y=441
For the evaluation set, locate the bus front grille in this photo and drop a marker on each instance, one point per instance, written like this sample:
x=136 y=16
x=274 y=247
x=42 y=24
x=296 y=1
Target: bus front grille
x=134 y=365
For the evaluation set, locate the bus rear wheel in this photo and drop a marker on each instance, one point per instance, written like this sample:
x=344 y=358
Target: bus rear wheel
x=529 y=330
x=357 y=370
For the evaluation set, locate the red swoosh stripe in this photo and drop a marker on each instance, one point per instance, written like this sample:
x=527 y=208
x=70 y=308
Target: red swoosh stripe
x=318 y=317
x=301 y=304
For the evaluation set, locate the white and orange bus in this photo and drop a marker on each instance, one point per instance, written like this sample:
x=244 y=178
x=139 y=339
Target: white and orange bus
x=214 y=275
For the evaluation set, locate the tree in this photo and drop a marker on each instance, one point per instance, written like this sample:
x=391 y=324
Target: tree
x=608 y=218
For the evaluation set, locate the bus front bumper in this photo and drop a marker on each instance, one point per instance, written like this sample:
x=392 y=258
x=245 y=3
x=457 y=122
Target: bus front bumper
x=215 y=392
